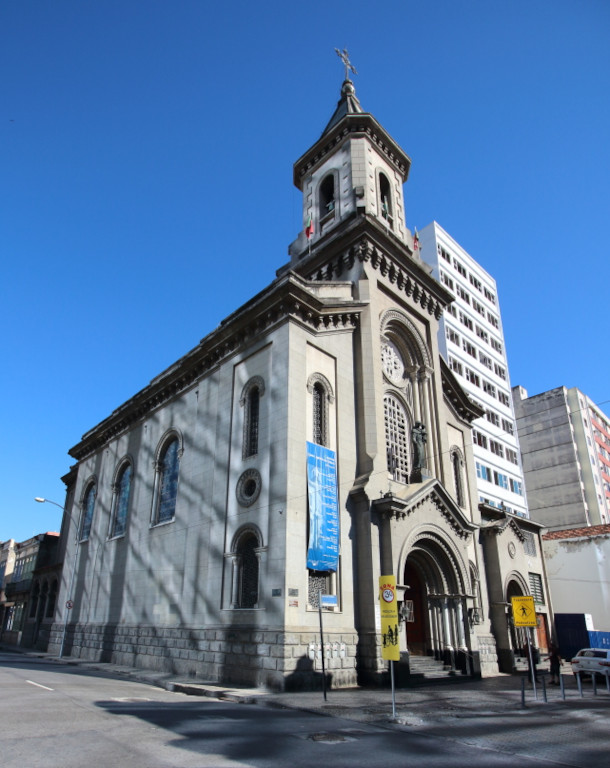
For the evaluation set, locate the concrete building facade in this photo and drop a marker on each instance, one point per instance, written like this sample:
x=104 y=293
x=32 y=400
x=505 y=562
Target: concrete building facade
x=194 y=511
x=565 y=445
x=472 y=342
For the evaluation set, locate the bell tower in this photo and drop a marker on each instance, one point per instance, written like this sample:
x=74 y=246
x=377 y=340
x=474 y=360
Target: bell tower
x=354 y=169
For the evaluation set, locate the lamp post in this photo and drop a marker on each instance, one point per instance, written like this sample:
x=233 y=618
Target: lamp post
x=68 y=604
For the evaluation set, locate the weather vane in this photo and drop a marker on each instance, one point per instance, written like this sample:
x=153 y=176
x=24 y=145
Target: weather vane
x=344 y=56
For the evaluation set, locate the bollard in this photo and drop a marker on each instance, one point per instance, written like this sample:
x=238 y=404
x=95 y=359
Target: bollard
x=522 y=693
x=562 y=687
x=594 y=682
x=579 y=684
x=544 y=698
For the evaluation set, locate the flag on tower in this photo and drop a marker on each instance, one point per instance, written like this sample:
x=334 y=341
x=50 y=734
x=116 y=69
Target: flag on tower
x=309 y=228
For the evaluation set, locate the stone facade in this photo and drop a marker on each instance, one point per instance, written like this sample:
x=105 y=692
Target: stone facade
x=191 y=500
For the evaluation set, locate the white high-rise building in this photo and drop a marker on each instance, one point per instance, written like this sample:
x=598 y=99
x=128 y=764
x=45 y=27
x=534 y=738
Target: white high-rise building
x=472 y=342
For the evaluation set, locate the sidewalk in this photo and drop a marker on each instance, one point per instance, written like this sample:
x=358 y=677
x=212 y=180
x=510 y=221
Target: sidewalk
x=427 y=704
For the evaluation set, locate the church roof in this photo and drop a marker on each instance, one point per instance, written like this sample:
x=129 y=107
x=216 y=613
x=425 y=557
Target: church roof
x=348 y=104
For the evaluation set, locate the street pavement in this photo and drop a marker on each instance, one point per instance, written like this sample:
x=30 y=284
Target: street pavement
x=495 y=715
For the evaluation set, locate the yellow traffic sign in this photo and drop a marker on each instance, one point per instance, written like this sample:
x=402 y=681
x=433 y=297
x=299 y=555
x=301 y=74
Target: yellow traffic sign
x=524 y=612
x=389 y=618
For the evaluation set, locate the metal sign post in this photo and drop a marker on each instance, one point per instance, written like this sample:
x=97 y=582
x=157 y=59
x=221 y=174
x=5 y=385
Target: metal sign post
x=389 y=628
x=330 y=601
x=524 y=615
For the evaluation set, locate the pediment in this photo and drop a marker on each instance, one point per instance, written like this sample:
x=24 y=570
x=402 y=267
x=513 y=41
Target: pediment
x=433 y=493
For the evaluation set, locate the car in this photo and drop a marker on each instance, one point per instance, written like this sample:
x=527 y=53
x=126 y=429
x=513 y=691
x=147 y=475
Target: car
x=590 y=660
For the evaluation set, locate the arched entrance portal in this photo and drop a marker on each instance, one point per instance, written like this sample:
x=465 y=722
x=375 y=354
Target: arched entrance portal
x=435 y=598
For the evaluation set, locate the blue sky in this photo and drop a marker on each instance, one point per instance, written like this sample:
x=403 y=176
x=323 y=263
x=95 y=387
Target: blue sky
x=146 y=153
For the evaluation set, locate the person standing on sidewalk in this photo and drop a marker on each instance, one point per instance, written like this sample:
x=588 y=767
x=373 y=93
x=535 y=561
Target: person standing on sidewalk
x=555 y=658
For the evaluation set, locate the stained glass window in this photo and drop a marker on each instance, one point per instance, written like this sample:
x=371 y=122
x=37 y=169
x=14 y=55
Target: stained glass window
x=88 y=506
x=396 y=437
x=168 y=482
x=122 y=501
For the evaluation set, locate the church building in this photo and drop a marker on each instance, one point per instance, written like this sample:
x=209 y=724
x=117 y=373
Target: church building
x=313 y=442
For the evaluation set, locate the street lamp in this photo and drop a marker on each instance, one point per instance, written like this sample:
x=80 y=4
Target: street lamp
x=68 y=606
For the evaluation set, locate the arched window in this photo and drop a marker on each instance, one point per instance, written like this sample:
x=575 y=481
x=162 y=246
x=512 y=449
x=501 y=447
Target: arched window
x=456 y=465
x=246 y=571
x=319 y=415
x=167 y=481
x=250 y=401
x=88 y=506
x=396 y=437
x=122 y=491
x=34 y=600
x=327 y=196
x=385 y=196
x=322 y=395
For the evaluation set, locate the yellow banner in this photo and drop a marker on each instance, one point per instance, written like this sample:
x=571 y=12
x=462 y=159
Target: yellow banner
x=524 y=613
x=389 y=618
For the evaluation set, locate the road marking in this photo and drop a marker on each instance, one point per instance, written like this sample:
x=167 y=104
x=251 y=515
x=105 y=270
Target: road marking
x=38 y=685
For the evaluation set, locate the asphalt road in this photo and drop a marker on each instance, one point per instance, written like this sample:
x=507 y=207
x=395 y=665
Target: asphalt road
x=68 y=717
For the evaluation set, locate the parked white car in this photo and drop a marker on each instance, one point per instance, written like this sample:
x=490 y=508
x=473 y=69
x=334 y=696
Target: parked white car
x=592 y=660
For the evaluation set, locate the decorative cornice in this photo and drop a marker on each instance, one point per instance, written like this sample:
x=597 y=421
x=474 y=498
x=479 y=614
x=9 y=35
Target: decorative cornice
x=456 y=396
x=422 y=289
x=352 y=125
x=288 y=299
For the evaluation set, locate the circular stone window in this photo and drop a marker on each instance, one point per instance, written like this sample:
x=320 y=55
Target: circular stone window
x=248 y=487
x=512 y=550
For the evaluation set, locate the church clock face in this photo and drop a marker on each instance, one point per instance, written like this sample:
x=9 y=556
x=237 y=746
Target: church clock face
x=392 y=362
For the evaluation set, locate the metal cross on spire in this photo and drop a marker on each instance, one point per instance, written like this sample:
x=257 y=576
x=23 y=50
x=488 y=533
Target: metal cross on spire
x=344 y=56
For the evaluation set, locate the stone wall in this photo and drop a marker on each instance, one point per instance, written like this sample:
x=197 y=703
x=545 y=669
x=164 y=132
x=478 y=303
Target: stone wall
x=271 y=659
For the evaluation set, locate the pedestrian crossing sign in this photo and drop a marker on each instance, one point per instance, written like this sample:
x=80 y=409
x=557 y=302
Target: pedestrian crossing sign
x=524 y=612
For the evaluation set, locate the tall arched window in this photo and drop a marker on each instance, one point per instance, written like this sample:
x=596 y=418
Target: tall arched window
x=250 y=401
x=385 y=196
x=121 y=501
x=88 y=507
x=327 y=196
x=52 y=600
x=246 y=571
x=167 y=469
x=320 y=432
x=396 y=437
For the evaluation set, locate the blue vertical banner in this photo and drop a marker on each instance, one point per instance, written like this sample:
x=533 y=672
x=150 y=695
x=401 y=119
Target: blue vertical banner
x=323 y=550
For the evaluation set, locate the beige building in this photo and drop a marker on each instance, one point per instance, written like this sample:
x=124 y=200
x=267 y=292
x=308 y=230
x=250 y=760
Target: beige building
x=312 y=443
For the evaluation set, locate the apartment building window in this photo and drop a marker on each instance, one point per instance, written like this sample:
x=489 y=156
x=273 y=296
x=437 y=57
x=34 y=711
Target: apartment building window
x=501 y=480
x=479 y=307
x=536 y=587
x=456 y=366
x=447 y=280
x=500 y=371
x=516 y=486
x=452 y=310
x=474 y=281
x=465 y=320
x=487 y=361
x=493 y=320
x=497 y=448
x=472 y=377
x=479 y=439
x=464 y=295
x=512 y=456
x=495 y=344
x=460 y=267
x=508 y=426
x=452 y=336
x=482 y=334
x=444 y=254
x=483 y=472
x=492 y=417
x=489 y=388
x=489 y=296
x=504 y=398
x=469 y=348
